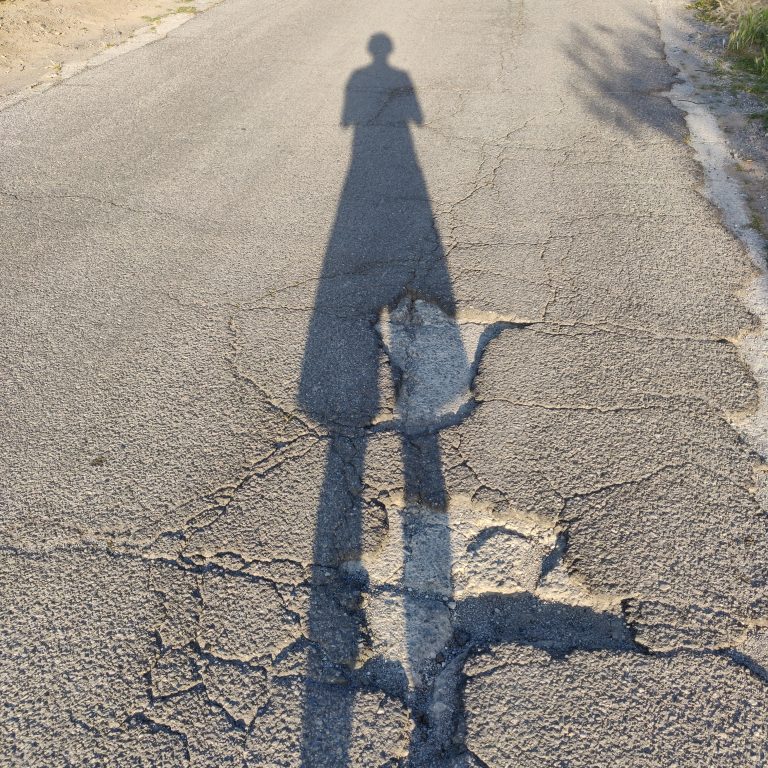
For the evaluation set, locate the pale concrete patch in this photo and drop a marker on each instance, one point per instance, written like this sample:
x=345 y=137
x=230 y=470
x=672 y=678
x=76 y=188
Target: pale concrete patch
x=433 y=357
x=408 y=629
x=500 y=554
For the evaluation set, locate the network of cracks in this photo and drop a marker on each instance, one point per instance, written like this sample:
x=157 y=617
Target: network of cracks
x=294 y=664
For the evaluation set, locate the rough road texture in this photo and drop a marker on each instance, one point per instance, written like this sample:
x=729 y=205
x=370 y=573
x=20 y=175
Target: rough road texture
x=376 y=409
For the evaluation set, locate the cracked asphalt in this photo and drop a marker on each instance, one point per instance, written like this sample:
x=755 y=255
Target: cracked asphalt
x=373 y=396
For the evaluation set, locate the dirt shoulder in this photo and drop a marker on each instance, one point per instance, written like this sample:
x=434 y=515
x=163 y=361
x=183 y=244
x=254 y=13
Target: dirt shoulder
x=39 y=37
x=738 y=102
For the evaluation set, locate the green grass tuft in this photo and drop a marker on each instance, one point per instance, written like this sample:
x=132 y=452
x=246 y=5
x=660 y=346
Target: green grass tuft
x=707 y=10
x=751 y=30
x=749 y=42
x=747 y=25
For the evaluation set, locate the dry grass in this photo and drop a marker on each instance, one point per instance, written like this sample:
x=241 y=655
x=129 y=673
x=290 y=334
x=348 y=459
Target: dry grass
x=747 y=21
x=733 y=10
x=728 y=11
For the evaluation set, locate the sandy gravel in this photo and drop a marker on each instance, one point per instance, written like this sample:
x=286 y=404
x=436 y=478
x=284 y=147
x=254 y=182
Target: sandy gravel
x=38 y=36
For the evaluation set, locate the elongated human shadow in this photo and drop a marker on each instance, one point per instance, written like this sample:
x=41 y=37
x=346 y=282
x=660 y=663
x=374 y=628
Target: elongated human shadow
x=385 y=266
x=384 y=246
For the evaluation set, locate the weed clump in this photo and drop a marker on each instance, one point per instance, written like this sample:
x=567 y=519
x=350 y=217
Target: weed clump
x=747 y=22
x=708 y=10
x=749 y=41
x=727 y=11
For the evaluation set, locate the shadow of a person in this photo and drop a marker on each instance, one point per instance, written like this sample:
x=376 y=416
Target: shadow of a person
x=385 y=265
x=384 y=246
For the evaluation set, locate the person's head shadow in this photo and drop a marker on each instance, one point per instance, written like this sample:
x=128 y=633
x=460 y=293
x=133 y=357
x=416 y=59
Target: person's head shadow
x=380 y=46
x=380 y=94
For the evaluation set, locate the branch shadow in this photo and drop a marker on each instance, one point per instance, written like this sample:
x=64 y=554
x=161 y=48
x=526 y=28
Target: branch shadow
x=622 y=79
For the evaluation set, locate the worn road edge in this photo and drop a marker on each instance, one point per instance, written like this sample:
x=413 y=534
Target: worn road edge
x=725 y=191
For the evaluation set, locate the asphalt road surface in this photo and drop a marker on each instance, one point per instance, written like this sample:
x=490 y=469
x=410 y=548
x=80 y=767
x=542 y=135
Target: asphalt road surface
x=371 y=396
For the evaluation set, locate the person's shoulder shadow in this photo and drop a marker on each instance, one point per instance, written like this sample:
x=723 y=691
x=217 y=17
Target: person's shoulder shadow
x=380 y=94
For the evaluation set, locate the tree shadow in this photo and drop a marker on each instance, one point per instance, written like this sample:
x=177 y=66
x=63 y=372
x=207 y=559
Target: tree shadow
x=622 y=79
